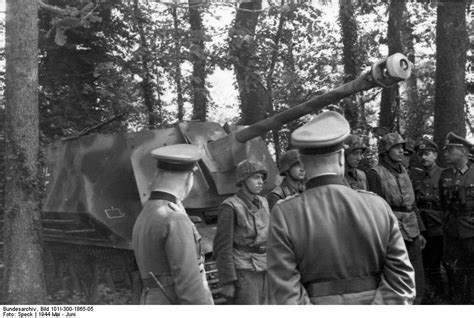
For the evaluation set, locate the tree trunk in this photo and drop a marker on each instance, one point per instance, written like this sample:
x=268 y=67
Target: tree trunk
x=351 y=65
x=198 y=58
x=177 y=63
x=24 y=276
x=253 y=95
x=146 y=84
x=450 y=85
x=390 y=103
x=415 y=121
x=269 y=80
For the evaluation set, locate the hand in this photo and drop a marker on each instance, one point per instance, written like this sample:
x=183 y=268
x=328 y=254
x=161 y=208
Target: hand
x=423 y=241
x=228 y=290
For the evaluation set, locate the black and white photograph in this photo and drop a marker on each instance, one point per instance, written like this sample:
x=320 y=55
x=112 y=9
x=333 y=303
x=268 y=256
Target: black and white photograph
x=235 y=152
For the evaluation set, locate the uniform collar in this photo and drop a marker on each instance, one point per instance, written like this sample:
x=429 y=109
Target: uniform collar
x=461 y=171
x=431 y=171
x=249 y=200
x=324 y=180
x=160 y=195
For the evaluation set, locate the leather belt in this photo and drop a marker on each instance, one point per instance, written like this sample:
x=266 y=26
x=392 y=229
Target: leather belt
x=251 y=249
x=429 y=205
x=406 y=209
x=344 y=286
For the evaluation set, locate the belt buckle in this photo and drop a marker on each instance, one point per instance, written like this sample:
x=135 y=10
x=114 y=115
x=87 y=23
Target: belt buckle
x=262 y=249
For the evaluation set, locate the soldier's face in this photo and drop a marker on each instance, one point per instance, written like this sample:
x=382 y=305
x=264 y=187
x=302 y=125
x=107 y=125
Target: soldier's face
x=354 y=157
x=396 y=153
x=255 y=183
x=297 y=172
x=453 y=154
x=428 y=158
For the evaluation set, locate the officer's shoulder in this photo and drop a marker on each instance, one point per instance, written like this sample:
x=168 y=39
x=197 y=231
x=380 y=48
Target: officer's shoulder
x=287 y=199
x=366 y=192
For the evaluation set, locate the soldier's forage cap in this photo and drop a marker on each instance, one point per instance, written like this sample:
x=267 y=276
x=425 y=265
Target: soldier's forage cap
x=179 y=157
x=324 y=134
x=354 y=142
x=454 y=140
x=425 y=144
x=288 y=160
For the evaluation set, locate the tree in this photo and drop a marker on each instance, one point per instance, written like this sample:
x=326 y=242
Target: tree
x=390 y=103
x=351 y=64
x=198 y=58
x=24 y=277
x=253 y=95
x=450 y=85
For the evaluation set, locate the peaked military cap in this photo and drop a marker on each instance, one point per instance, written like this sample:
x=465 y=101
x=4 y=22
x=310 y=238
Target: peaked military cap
x=179 y=157
x=454 y=140
x=425 y=144
x=324 y=134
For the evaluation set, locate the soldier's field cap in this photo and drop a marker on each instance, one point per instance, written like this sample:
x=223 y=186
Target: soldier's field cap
x=179 y=157
x=454 y=140
x=324 y=134
x=425 y=144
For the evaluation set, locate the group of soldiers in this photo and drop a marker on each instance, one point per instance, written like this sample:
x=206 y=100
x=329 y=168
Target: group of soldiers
x=330 y=233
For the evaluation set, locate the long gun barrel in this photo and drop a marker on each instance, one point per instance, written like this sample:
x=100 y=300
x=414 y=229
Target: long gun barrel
x=385 y=73
x=226 y=152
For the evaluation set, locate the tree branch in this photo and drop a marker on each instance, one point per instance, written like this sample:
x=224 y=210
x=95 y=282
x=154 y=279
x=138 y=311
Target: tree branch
x=89 y=129
x=52 y=8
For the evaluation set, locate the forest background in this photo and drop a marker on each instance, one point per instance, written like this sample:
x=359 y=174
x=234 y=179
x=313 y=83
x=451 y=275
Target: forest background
x=109 y=66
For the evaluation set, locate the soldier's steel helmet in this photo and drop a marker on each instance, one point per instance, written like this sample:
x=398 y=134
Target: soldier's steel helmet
x=248 y=167
x=288 y=160
x=354 y=142
x=388 y=141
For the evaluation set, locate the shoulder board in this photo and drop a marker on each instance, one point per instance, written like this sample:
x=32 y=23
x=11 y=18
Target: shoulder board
x=366 y=191
x=418 y=169
x=288 y=198
x=174 y=207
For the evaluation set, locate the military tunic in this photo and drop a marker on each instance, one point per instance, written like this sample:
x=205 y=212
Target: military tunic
x=240 y=246
x=166 y=243
x=426 y=187
x=355 y=178
x=457 y=201
x=281 y=192
x=334 y=245
x=391 y=182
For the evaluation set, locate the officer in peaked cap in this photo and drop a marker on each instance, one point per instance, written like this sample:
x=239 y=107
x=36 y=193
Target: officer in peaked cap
x=241 y=238
x=292 y=170
x=457 y=201
x=332 y=244
x=165 y=241
x=391 y=181
x=425 y=182
x=354 y=150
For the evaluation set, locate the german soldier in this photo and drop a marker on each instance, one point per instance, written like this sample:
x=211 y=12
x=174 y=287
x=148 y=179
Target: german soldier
x=332 y=244
x=457 y=201
x=354 y=150
x=390 y=180
x=165 y=241
x=290 y=167
x=425 y=183
x=241 y=238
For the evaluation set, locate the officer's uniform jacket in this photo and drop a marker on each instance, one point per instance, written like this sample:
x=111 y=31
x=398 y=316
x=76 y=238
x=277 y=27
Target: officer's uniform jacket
x=241 y=236
x=457 y=201
x=355 y=178
x=282 y=191
x=166 y=242
x=392 y=183
x=426 y=188
x=334 y=245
